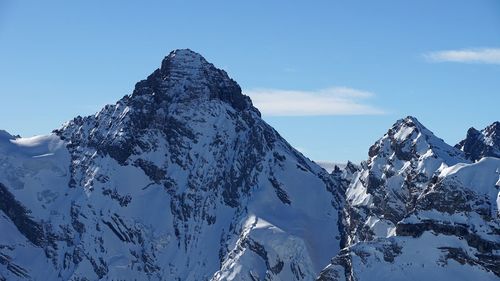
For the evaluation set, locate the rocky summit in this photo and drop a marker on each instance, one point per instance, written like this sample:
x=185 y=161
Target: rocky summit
x=183 y=180
x=484 y=143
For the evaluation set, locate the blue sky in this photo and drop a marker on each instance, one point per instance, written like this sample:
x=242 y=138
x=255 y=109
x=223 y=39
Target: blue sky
x=373 y=61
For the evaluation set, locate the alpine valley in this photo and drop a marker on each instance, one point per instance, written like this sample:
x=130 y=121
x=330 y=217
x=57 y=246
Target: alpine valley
x=183 y=180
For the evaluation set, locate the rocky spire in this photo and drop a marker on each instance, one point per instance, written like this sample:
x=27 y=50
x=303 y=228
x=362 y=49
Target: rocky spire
x=484 y=143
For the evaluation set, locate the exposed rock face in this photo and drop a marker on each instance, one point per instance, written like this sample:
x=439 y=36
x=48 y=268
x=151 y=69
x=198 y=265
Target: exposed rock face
x=419 y=210
x=484 y=143
x=181 y=180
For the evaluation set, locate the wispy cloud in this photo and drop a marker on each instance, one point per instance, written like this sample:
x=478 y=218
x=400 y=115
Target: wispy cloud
x=331 y=101
x=478 y=55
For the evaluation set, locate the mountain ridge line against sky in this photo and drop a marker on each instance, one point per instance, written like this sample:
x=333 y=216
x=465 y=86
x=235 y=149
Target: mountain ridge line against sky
x=447 y=79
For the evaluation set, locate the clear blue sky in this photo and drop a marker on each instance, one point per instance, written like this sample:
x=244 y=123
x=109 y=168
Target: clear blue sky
x=59 y=59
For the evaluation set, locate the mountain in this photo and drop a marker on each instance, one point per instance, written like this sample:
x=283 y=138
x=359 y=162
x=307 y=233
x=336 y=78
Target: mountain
x=401 y=165
x=180 y=180
x=484 y=143
x=183 y=180
x=419 y=210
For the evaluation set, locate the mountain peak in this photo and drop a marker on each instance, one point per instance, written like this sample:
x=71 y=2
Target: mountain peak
x=484 y=143
x=184 y=59
x=185 y=87
x=473 y=132
x=404 y=128
x=179 y=53
x=411 y=119
x=408 y=139
x=186 y=76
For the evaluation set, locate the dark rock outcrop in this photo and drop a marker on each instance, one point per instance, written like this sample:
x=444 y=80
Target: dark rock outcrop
x=484 y=143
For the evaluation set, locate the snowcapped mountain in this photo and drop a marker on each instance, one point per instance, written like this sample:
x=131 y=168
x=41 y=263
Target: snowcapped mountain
x=401 y=165
x=181 y=180
x=419 y=210
x=484 y=143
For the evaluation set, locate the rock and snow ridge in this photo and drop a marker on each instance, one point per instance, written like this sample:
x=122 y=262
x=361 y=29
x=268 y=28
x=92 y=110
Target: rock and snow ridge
x=183 y=180
x=400 y=166
x=419 y=210
x=180 y=180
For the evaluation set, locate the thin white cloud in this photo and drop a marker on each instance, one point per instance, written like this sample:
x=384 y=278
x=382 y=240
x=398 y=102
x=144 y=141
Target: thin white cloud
x=331 y=101
x=480 y=55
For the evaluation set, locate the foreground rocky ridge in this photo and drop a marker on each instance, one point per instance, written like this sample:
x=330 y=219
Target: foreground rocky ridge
x=183 y=180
